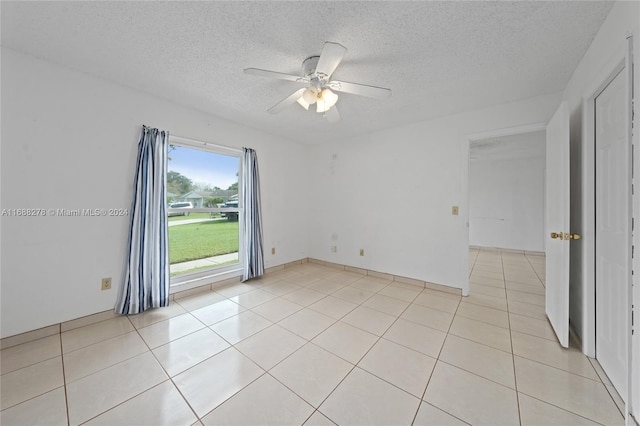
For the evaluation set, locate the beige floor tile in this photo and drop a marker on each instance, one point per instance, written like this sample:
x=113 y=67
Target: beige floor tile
x=617 y=399
x=532 y=326
x=495 y=268
x=333 y=307
x=200 y=300
x=386 y=304
x=534 y=412
x=353 y=294
x=527 y=309
x=526 y=288
x=90 y=359
x=271 y=404
x=170 y=329
x=488 y=301
x=303 y=280
x=277 y=309
x=551 y=353
x=325 y=286
x=307 y=323
x=184 y=353
x=403 y=293
x=490 y=282
x=145 y=409
x=417 y=337
x=312 y=372
x=29 y=382
x=410 y=374
x=270 y=346
x=370 y=283
x=363 y=399
x=44 y=410
x=487 y=290
x=304 y=296
x=520 y=296
x=241 y=326
x=568 y=391
x=370 y=320
x=252 y=298
x=115 y=385
x=280 y=288
x=529 y=279
x=485 y=402
x=423 y=315
x=210 y=383
x=234 y=289
x=483 y=273
x=318 y=419
x=344 y=277
x=348 y=342
x=153 y=316
x=484 y=314
x=428 y=415
x=26 y=354
x=443 y=301
x=94 y=333
x=479 y=359
x=479 y=332
x=217 y=312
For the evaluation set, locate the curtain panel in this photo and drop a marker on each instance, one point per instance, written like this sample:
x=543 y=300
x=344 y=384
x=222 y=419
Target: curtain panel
x=253 y=252
x=146 y=280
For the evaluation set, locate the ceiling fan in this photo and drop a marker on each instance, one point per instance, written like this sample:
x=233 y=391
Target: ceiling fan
x=316 y=75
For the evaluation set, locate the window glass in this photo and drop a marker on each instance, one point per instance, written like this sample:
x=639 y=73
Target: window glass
x=203 y=209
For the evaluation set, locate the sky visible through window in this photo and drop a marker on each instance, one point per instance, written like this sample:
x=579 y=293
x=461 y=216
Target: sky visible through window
x=204 y=167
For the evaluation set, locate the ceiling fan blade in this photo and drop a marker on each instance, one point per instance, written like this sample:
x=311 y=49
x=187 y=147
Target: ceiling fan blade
x=333 y=115
x=289 y=100
x=276 y=75
x=360 y=89
x=332 y=54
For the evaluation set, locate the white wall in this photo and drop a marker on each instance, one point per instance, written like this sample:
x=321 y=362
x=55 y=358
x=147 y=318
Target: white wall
x=69 y=140
x=391 y=193
x=623 y=20
x=506 y=203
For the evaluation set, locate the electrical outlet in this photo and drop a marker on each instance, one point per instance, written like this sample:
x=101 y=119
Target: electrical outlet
x=361 y=252
x=454 y=210
x=334 y=249
x=273 y=250
x=106 y=284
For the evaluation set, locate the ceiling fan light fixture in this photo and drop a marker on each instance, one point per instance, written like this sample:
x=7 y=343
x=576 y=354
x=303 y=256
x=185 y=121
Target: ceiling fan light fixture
x=326 y=99
x=310 y=96
x=304 y=104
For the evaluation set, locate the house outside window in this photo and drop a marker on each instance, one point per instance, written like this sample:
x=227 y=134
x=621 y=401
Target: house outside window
x=203 y=209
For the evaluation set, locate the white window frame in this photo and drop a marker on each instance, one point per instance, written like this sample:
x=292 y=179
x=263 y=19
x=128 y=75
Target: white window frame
x=196 y=279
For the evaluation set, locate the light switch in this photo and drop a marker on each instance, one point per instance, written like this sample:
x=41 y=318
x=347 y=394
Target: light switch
x=454 y=210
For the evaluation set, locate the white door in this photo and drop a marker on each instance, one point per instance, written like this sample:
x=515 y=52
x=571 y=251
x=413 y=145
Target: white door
x=557 y=224
x=613 y=232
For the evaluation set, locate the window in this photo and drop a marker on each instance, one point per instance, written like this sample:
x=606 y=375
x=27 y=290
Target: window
x=203 y=208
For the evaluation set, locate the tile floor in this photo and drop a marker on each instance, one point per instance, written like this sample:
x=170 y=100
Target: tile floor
x=315 y=345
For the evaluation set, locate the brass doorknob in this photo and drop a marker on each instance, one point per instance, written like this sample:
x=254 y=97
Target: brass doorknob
x=564 y=236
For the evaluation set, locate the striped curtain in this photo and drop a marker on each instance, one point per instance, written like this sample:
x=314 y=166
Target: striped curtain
x=253 y=253
x=146 y=281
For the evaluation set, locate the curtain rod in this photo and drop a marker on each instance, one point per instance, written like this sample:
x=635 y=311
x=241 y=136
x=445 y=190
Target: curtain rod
x=196 y=142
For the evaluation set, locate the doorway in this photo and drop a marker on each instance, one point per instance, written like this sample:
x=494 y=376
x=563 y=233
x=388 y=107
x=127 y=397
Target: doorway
x=506 y=192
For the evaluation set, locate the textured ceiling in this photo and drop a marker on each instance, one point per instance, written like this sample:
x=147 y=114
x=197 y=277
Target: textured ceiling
x=438 y=58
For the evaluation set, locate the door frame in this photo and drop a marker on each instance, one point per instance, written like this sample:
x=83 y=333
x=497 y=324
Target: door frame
x=618 y=61
x=465 y=151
